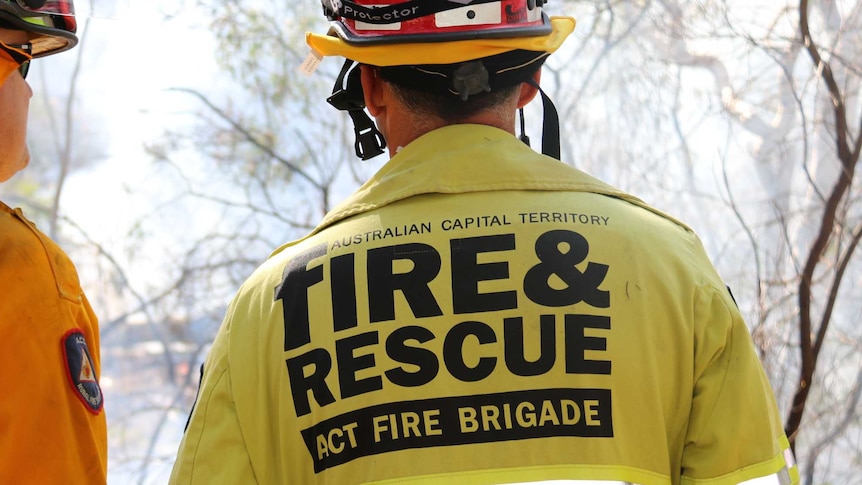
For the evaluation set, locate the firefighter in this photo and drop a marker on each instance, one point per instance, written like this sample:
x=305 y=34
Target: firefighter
x=477 y=312
x=52 y=422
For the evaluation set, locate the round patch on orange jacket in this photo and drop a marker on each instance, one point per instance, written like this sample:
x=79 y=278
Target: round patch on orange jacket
x=81 y=370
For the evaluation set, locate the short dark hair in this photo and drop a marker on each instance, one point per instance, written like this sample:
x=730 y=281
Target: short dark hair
x=448 y=106
x=433 y=89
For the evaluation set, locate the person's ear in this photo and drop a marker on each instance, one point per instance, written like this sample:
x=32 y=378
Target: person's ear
x=372 y=89
x=528 y=91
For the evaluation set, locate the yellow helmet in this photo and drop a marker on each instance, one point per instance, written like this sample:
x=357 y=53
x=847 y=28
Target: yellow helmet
x=461 y=46
x=392 y=33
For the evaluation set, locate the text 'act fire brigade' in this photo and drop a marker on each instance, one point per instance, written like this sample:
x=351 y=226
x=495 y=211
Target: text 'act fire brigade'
x=553 y=281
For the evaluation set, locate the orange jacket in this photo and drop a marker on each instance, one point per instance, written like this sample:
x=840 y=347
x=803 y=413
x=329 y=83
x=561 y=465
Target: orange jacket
x=52 y=423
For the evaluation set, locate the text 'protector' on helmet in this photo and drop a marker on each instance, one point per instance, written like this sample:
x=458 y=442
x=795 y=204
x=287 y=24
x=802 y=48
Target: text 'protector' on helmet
x=389 y=21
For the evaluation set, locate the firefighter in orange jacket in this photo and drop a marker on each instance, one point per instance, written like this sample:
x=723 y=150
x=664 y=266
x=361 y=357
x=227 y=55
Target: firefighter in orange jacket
x=52 y=422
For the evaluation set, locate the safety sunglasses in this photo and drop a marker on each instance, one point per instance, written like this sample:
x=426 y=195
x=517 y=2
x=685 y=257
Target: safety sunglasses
x=23 y=60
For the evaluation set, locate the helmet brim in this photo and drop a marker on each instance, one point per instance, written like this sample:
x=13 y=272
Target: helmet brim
x=46 y=40
x=450 y=52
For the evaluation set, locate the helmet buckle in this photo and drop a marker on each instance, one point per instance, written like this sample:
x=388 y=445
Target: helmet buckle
x=369 y=141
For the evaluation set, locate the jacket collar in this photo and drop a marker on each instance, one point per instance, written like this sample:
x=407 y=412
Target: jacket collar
x=465 y=158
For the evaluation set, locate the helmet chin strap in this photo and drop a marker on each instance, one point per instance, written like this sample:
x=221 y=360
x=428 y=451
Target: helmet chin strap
x=550 y=125
x=349 y=97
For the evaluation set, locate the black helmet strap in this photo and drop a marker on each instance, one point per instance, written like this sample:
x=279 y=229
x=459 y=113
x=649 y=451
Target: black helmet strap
x=550 y=124
x=348 y=96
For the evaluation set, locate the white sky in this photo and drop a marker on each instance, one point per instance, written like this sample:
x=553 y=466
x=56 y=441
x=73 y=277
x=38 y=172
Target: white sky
x=131 y=61
x=132 y=56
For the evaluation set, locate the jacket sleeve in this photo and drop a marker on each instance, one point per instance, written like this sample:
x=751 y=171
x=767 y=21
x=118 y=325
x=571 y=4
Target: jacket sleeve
x=50 y=431
x=735 y=432
x=213 y=449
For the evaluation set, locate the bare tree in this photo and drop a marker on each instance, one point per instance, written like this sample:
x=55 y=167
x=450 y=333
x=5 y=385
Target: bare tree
x=770 y=92
x=260 y=159
x=834 y=230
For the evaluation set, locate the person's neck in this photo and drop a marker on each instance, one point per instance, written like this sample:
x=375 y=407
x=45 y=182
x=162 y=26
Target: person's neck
x=402 y=130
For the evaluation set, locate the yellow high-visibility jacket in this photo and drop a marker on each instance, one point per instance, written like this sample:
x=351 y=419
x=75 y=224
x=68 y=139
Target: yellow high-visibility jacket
x=52 y=422
x=478 y=313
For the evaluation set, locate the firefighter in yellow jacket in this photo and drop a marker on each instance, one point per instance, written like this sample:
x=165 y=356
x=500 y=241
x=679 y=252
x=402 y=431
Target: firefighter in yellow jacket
x=477 y=312
x=52 y=425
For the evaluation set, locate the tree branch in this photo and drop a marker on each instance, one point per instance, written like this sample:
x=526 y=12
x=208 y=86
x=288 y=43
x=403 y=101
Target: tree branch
x=249 y=136
x=809 y=350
